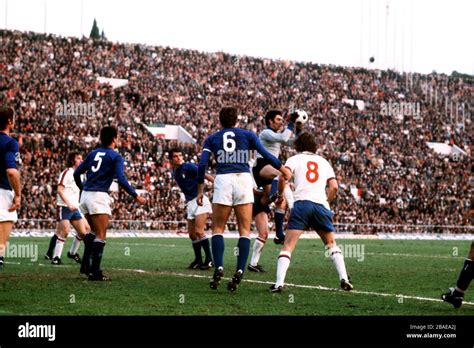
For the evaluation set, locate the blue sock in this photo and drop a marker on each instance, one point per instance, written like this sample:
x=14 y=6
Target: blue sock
x=52 y=245
x=197 y=250
x=86 y=258
x=244 y=249
x=217 y=243
x=97 y=252
x=207 y=250
x=279 y=219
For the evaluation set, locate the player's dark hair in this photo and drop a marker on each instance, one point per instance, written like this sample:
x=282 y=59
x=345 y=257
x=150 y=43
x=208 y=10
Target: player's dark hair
x=172 y=151
x=6 y=115
x=228 y=116
x=270 y=116
x=71 y=157
x=107 y=135
x=306 y=142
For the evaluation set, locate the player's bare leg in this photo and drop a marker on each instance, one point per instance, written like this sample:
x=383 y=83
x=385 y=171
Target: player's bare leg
x=455 y=295
x=82 y=228
x=337 y=258
x=269 y=173
x=243 y=214
x=5 y=230
x=203 y=241
x=220 y=216
x=284 y=258
x=261 y=224
x=62 y=232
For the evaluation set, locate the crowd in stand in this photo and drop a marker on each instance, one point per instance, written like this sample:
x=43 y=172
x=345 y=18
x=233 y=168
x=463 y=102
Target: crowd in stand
x=373 y=148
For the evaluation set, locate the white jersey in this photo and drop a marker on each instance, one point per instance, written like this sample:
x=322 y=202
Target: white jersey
x=272 y=140
x=71 y=191
x=311 y=174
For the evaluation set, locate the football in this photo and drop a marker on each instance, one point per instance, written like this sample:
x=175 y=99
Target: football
x=301 y=116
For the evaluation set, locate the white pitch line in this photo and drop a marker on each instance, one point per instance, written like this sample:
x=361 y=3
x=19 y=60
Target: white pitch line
x=317 y=287
x=416 y=255
x=150 y=244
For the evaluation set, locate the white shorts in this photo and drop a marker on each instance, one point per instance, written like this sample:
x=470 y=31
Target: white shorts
x=233 y=189
x=6 y=199
x=193 y=209
x=95 y=202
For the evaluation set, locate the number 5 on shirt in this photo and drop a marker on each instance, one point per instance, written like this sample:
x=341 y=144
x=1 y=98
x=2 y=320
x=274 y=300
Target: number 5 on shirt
x=98 y=158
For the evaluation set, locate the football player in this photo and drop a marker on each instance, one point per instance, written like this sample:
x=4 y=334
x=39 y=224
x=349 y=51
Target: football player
x=102 y=165
x=272 y=138
x=68 y=214
x=233 y=188
x=185 y=175
x=10 y=186
x=312 y=173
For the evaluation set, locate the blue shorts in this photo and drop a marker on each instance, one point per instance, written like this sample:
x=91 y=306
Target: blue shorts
x=65 y=214
x=307 y=215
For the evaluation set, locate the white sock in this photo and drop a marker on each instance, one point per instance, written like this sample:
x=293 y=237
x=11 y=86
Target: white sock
x=58 y=250
x=282 y=267
x=76 y=243
x=257 y=251
x=336 y=256
x=3 y=248
x=290 y=201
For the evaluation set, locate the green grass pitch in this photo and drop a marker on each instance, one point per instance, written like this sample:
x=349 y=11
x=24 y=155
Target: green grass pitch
x=149 y=277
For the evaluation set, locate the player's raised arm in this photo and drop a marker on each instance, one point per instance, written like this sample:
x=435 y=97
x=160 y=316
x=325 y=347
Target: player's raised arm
x=274 y=137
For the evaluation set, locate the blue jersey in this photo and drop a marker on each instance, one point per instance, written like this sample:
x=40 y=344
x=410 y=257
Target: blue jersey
x=9 y=155
x=102 y=166
x=185 y=176
x=232 y=149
